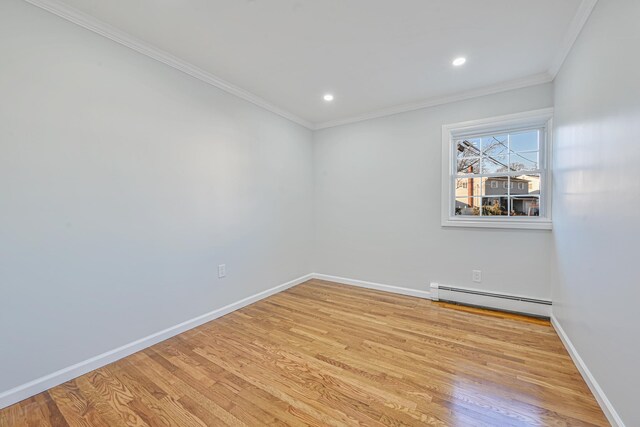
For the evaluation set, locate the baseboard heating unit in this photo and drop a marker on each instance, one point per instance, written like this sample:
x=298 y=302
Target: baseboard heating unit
x=493 y=300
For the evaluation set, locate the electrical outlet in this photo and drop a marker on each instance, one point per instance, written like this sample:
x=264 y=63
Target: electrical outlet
x=222 y=271
x=477 y=276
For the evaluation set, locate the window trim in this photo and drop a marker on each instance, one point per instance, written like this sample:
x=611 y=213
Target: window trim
x=542 y=118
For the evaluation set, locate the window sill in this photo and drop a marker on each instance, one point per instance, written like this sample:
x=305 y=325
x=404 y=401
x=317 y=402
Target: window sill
x=542 y=224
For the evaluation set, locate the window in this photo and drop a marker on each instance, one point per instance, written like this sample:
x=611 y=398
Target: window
x=504 y=161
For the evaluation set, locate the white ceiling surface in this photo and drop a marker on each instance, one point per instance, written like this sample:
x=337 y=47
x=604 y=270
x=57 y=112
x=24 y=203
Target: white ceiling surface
x=371 y=54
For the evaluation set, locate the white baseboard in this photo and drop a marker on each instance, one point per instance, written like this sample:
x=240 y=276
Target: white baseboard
x=46 y=382
x=372 y=285
x=603 y=401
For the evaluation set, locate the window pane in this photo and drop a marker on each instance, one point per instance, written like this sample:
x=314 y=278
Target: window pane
x=523 y=161
x=526 y=185
x=467 y=206
x=492 y=206
x=525 y=206
x=524 y=141
x=468 y=187
x=468 y=165
x=495 y=186
x=494 y=164
x=525 y=200
x=495 y=145
x=468 y=147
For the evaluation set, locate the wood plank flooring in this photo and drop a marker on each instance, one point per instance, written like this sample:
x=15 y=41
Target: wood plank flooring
x=324 y=354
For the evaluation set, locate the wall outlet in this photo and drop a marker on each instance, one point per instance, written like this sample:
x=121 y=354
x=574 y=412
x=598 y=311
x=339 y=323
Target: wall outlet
x=222 y=271
x=477 y=276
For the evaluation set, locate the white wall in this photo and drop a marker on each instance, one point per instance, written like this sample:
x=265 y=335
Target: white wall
x=596 y=284
x=123 y=184
x=377 y=205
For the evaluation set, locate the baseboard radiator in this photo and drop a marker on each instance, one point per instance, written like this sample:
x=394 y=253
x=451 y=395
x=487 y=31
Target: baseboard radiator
x=493 y=300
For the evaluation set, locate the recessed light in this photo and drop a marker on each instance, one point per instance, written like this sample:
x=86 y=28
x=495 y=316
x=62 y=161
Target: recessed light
x=459 y=61
x=328 y=97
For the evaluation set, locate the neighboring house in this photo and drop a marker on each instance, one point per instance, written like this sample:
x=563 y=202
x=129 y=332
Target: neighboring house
x=473 y=192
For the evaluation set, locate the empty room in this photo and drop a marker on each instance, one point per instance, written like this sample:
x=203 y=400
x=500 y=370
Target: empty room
x=319 y=213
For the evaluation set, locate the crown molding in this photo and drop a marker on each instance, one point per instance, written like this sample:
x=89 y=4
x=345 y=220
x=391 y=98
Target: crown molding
x=432 y=102
x=570 y=37
x=90 y=23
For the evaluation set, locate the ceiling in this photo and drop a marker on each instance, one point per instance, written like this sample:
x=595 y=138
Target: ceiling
x=375 y=56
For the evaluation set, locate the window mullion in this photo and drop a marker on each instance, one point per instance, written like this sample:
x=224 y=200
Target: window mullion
x=481 y=172
x=496 y=174
x=509 y=176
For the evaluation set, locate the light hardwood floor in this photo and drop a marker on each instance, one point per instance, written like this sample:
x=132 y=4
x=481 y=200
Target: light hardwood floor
x=325 y=354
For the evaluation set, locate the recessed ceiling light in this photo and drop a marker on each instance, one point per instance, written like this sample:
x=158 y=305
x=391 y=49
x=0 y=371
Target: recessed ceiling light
x=328 y=97
x=459 y=61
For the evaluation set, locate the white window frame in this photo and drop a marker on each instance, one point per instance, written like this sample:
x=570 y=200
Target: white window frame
x=542 y=119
